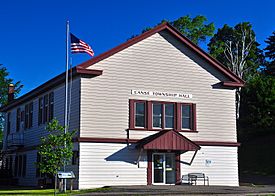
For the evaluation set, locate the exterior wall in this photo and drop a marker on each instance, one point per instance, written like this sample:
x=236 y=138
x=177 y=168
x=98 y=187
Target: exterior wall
x=32 y=135
x=108 y=164
x=222 y=166
x=158 y=63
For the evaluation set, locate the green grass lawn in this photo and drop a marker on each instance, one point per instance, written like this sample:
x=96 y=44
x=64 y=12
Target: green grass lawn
x=28 y=191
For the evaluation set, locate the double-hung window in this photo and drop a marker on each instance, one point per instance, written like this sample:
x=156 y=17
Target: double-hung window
x=46 y=108
x=169 y=115
x=140 y=114
x=186 y=116
x=28 y=115
x=157 y=115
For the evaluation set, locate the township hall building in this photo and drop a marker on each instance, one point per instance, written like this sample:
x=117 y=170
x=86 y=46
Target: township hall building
x=148 y=111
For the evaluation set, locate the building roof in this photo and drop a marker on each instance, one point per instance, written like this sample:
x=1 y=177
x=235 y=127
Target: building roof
x=77 y=71
x=234 y=81
x=81 y=69
x=167 y=140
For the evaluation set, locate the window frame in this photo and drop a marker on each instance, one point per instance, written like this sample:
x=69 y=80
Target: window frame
x=8 y=123
x=149 y=116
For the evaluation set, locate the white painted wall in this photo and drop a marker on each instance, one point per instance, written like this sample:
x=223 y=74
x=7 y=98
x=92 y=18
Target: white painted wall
x=107 y=164
x=158 y=63
x=223 y=169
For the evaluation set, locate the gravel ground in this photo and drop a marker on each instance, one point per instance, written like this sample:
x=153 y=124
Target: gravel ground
x=188 y=190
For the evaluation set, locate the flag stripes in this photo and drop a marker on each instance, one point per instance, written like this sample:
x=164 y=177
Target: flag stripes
x=79 y=46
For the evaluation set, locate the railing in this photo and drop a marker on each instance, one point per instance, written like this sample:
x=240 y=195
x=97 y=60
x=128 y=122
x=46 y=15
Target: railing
x=15 y=139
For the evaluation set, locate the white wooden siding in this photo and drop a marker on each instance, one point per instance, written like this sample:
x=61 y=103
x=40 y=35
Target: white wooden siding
x=107 y=164
x=32 y=136
x=158 y=63
x=223 y=169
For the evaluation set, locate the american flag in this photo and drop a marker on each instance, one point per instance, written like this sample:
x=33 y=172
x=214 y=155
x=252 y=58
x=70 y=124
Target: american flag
x=79 y=46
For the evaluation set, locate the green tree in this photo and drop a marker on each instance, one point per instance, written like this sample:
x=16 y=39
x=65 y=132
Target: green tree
x=53 y=151
x=5 y=80
x=258 y=103
x=243 y=46
x=237 y=49
x=194 y=29
x=270 y=54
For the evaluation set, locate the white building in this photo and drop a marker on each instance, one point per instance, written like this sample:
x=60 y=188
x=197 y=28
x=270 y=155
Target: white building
x=147 y=112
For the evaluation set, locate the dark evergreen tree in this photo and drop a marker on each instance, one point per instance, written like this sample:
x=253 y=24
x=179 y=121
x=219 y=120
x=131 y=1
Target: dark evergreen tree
x=270 y=54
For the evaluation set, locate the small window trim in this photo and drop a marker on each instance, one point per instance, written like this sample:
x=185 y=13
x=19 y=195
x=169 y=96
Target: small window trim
x=149 y=116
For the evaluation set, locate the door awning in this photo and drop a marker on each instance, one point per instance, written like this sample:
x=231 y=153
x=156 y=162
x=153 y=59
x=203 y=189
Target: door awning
x=167 y=140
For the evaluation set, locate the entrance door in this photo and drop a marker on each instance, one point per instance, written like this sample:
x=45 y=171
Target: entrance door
x=164 y=168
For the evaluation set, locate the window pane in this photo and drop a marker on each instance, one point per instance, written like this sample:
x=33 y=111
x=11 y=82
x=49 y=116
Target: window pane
x=157 y=115
x=169 y=115
x=185 y=115
x=169 y=109
x=140 y=108
x=185 y=109
x=139 y=121
x=186 y=123
x=140 y=114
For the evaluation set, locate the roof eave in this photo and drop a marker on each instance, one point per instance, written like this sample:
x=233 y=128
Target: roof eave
x=77 y=71
x=233 y=84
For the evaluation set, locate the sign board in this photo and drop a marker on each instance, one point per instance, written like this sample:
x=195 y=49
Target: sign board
x=161 y=94
x=142 y=164
x=65 y=175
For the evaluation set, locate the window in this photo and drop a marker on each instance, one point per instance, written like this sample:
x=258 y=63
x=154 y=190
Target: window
x=38 y=159
x=140 y=114
x=28 y=115
x=75 y=158
x=8 y=123
x=18 y=119
x=186 y=116
x=155 y=115
x=46 y=108
x=40 y=111
x=20 y=165
x=169 y=115
x=51 y=98
x=15 y=166
x=38 y=173
x=24 y=165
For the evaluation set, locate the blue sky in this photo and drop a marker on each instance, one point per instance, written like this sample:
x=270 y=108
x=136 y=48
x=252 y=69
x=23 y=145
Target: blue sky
x=33 y=31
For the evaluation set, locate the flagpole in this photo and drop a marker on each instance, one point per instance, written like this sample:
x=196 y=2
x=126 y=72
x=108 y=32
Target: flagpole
x=66 y=90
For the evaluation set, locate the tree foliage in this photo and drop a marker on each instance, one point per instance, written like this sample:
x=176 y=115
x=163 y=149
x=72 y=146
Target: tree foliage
x=53 y=151
x=258 y=103
x=194 y=29
x=270 y=54
x=5 y=80
x=234 y=35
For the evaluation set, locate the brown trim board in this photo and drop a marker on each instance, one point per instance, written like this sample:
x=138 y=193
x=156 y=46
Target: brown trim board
x=119 y=140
